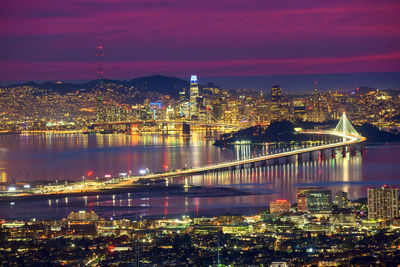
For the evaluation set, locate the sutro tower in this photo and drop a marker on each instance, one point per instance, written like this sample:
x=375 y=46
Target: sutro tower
x=99 y=62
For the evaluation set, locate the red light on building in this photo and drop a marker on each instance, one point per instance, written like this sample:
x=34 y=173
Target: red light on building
x=90 y=173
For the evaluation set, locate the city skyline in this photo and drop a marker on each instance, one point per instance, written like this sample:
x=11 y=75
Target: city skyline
x=57 y=41
x=200 y=133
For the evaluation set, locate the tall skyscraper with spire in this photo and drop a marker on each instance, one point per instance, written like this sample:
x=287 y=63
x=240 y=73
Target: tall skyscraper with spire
x=194 y=94
x=317 y=115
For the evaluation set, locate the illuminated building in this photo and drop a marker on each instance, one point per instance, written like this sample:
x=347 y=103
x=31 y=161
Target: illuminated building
x=3 y=180
x=155 y=109
x=184 y=110
x=314 y=199
x=317 y=110
x=194 y=94
x=319 y=200
x=100 y=112
x=83 y=216
x=182 y=95
x=301 y=203
x=341 y=200
x=383 y=203
x=276 y=93
x=279 y=206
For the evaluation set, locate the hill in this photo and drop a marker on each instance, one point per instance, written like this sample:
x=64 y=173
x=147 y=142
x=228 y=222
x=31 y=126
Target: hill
x=156 y=83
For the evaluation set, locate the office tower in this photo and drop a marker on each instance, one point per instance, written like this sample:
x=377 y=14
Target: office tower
x=100 y=110
x=317 y=110
x=341 y=200
x=301 y=203
x=182 y=95
x=194 y=94
x=279 y=206
x=276 y=93
x=314 y=199
x=383 y=203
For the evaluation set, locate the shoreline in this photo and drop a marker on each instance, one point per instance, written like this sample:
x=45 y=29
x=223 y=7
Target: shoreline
x=176 y=190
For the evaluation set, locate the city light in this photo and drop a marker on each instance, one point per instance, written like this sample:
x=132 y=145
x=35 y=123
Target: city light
x=260 y=145
x=143 y=171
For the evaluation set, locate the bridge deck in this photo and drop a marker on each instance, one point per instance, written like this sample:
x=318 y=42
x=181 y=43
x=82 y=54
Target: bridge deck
x=196 y=170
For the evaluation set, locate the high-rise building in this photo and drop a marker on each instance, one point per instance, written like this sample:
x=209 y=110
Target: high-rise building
x=383 y=203
x=319 y=200
x=301 y=203
x=314 y=199
x=276 y=93
x=279 y=206
x=317 y=110
x=100 y=110
x=341 y=200
x=194 y=94
x=182 y=95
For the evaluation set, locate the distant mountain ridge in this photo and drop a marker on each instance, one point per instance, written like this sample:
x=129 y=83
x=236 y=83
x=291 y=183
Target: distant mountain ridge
x=155 y=83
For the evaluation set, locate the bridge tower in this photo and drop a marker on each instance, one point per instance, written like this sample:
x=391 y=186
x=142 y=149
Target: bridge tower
x=344 y=126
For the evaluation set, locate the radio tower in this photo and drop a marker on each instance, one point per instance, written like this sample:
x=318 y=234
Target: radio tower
x=99 y=62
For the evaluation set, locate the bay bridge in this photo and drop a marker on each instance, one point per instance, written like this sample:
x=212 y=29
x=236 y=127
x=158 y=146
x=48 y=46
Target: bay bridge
x=343 y=137
x=346 y=133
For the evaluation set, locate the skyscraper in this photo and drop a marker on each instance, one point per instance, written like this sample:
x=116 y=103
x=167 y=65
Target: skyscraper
x=182 y=95
x=314 y=199
x=194 y=94
x=100 y=110
x=383 y=203
x=276 y=93
x=317 y=114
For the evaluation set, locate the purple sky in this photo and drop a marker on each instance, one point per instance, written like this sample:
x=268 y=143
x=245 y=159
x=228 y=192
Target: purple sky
x=56 y=40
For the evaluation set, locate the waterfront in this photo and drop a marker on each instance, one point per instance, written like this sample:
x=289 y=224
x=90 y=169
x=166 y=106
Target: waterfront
x=51 y=157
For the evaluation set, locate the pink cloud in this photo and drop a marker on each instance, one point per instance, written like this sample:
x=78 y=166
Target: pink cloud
x=216 y=37
x=64 y=70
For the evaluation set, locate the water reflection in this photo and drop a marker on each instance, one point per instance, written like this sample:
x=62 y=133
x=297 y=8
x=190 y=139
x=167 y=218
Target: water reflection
x=67 y=156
